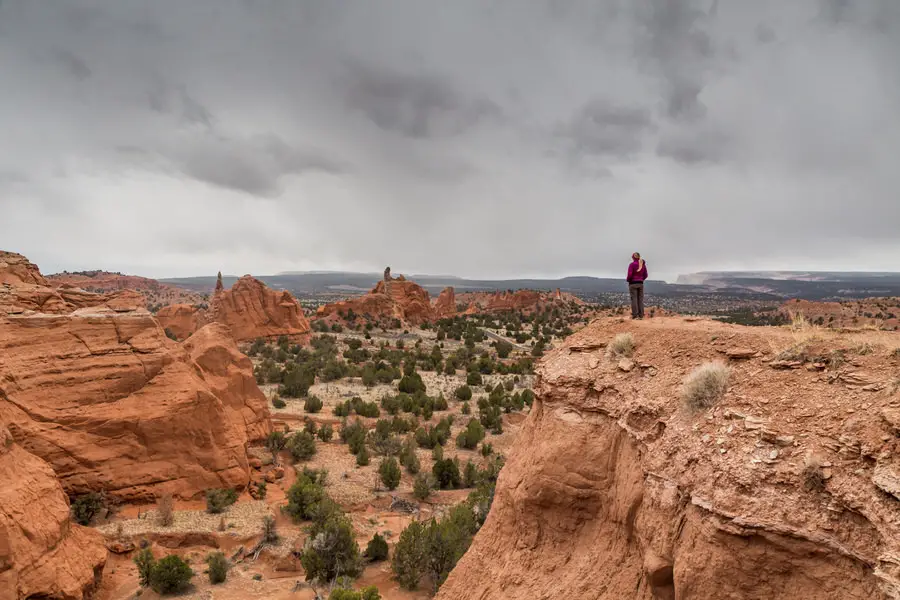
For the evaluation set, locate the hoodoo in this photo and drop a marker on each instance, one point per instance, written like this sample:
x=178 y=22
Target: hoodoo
x=626 y=483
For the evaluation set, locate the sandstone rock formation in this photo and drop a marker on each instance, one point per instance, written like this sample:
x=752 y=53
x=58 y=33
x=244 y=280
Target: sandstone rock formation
x=252 y=310
x=182 y=319
x=15 y=269
x=445 y=306
x=614 y=489
x=43 y=554
x=114 y=405
x=391 y=298
x=518 y=300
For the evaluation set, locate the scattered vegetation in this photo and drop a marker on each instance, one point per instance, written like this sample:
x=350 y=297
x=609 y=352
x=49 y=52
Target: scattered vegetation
x=87 y=506
x=218 y=567
x=377 y=549
x=302 y=446
x=389 y=471
x=168 y=575
x=217 y=500
x=622 y=345
x=705 y=385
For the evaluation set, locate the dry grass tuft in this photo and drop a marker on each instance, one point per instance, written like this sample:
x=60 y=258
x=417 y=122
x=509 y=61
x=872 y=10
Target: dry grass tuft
x=622 y=345
x=895 y=353
x=836 y=359
x=705 y=385
x=812 y=475
x=864 y=348
x=165 y=510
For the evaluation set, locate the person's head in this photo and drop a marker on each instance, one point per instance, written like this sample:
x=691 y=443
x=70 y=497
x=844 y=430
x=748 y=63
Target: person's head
x=636 y=256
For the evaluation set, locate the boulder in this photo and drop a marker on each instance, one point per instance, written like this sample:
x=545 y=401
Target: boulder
x=43 y=554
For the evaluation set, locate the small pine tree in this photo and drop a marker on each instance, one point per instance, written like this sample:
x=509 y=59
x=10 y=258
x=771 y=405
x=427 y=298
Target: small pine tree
x=377 y=549
x=170 y=575
x=326 y=432
x=390 y=473
x=144 y=561
x=218 y=567
x=421 y=487
x=362 y=457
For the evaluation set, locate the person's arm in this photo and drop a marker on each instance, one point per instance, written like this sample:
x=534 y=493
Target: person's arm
x=644 y=271
x=630 y=273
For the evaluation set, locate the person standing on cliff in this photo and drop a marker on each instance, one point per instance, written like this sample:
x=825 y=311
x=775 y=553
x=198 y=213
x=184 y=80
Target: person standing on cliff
x=637 y=274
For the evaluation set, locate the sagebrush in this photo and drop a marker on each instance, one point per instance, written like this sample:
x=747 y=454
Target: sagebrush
x=705 y=385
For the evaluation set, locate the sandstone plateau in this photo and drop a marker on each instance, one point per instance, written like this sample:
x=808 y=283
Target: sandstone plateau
x=518 y=300
x=249 y=309
x=43 y=554
x=788 y=487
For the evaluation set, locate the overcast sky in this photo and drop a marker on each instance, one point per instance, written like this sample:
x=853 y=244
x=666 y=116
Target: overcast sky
x=482 y=138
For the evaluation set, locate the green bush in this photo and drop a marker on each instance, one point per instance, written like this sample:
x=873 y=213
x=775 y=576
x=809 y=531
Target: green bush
x=217 y=500
x=471 y=436
x=377 y=549
x=354 y=434
x=410 y=461
x=278 y=402
x=218 y=567
x=367 y=593
x=389 y=471
x=362 y=457
x=446 y=473
x=411 y=384
x=313 y=404
x=410 y=556
x=421 y=487
x=466 y=409
x=86 y=507
x=302 y=446
x=304 y=497
x=170 y=575
x=470 y=475
x=144 y=561
x=474 y=378
x=330 y=551
x=326 y=432
x=310 y=427
x=463 y=392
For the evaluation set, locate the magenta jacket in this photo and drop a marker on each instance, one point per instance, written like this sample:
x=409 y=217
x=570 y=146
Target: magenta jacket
x=635 y=275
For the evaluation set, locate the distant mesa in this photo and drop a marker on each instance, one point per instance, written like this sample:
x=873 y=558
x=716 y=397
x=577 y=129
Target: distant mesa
x=249 y=309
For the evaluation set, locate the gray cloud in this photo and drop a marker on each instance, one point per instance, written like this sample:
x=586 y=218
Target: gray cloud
x=483 y=139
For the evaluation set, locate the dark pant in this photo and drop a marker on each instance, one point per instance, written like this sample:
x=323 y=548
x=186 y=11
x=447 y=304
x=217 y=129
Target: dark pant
x=637 y=299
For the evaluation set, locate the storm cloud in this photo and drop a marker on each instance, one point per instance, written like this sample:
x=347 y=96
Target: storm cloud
x=534 y=138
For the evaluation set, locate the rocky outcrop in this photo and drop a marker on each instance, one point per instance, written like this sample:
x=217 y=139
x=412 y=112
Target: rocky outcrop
x=112 y=404
x=392 y=298
x=15 y=269
x=251 y=310
x=182 y=319
x=518 y=300
x=445 y=306
x=615 y=489
x=43 y=554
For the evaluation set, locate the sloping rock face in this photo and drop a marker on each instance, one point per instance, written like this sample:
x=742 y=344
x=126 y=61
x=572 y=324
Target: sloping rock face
x=394 y=299
x=15 y=269
x=112 y=404
x=182 y=319
x=43 y=554
x=615 y=490
x=445 y=306
x=251 y=310
x=519 y=300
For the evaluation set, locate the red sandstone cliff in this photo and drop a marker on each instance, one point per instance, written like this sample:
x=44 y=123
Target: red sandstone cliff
x=252 y=310
x=182 y=319
x=614 y=490
x=519 y=300
x=43 y=554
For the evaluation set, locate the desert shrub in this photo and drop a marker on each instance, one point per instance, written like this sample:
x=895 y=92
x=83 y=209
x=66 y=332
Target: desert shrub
x=354 y=434
x=377 y=549
x=464 y=393
x=389 y=471
x=812 y=475
x=410 y=461
x=446 y=474
x=366 y=409
x=217 y=500
x=144 y=561
x=330 y=551
x=487 y=450
x=622 y=345
x=165 y=510
x=492 y=418
x=278 y=402
x=421 y=487
x=474 y=378
x=310 y=427
x=304 y=497
x=313 y=404
x=170 y=334
x=503 y=349
x=275 y=442
x=326 y=432
x=471 y=436
x=85 y=507
x=302 y=446
x=367 y=593
x=341 y=409
x=411 y=384
x=270 y=532
x=362 y=457
x=437 y=453
x=218 y=567
x=705 y=385
x=261 y=490
x=466 y=409
x=864 y=348
x=170 y=575
x=410 y=557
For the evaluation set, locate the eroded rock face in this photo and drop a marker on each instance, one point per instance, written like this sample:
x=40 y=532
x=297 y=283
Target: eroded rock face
x=43 y=554
x=518 y=300
x=445 y=307
x=252 y=310
x=112 y=404
x=615 y=490
x=182 y=319
x=15 y=269
x=396 y=298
